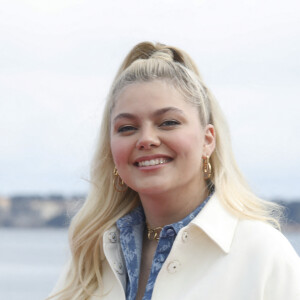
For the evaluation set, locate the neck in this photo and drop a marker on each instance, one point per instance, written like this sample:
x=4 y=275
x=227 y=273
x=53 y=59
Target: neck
x=168 y=208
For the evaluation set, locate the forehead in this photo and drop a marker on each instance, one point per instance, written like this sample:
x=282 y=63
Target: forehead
x=150 y=96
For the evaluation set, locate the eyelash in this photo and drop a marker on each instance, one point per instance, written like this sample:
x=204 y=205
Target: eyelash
x=167 y=123
x=126 y=128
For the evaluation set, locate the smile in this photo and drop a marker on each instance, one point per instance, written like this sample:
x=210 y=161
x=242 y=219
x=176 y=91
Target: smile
x=153 y=162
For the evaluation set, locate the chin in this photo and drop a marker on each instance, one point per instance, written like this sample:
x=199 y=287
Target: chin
x=151 y=189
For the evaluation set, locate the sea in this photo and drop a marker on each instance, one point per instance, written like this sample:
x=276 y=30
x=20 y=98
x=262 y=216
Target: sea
x=31 y=261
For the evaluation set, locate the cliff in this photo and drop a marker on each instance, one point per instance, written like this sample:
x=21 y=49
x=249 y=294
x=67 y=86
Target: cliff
x=39 y=211
x=57 y=210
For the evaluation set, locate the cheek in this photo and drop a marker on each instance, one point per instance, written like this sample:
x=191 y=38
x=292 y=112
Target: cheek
x=190 y=145
x=120 y=152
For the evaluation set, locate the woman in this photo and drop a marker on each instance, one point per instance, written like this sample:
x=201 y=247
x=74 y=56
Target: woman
x=169 y=215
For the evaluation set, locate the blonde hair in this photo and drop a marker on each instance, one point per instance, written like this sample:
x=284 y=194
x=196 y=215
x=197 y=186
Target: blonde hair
x=104 y=205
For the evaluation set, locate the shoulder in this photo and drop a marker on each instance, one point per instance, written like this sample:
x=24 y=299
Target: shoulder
x=270 y=256
x=264 y=242
x=262 y=234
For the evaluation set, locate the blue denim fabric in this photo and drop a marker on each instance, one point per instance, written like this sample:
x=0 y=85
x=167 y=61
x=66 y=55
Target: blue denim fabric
x=131 y=228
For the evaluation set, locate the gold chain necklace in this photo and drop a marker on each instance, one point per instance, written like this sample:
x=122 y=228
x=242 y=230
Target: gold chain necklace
x=153 y=233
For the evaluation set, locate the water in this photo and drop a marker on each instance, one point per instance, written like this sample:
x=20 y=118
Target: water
x=31 y=260
x=294 y=238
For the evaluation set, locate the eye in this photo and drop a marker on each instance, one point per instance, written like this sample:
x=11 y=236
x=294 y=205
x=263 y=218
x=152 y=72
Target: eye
x=169 y=123
x=126 y=128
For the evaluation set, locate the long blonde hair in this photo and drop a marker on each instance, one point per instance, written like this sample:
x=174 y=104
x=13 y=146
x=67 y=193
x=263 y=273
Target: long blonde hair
x=104 y=205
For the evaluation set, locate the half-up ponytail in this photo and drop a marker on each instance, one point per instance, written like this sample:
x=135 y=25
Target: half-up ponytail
x=104 y=206
x=146 y=50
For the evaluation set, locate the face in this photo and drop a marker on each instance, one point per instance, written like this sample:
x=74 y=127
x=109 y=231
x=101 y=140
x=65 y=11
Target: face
x=157 y=140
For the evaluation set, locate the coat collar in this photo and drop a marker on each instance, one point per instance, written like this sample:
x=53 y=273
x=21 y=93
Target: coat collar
x=218 y=223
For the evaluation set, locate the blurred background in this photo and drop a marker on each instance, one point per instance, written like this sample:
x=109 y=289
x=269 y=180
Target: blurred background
x=57 y=61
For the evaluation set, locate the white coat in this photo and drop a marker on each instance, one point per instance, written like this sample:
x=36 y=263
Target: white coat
x=215 y=257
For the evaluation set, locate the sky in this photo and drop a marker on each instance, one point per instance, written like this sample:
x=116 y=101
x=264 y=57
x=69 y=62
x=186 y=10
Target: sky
x=58 y=59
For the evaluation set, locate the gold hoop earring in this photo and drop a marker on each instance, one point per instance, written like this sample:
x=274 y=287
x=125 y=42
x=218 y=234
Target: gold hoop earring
x=206 y=168
x=119 y=184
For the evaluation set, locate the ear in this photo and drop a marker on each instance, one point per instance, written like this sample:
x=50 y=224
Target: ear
x=209 y=140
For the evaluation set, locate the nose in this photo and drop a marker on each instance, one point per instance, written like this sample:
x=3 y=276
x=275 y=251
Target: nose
x=148 y=139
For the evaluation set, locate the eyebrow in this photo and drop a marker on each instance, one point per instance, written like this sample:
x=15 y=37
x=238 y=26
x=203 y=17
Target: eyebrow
x=158 y=112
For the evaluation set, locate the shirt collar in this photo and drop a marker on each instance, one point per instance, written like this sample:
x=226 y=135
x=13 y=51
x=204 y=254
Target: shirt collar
x=184 y=222
x=214 y=219
x=137 y=216
x=217 y=222
x=134 y=217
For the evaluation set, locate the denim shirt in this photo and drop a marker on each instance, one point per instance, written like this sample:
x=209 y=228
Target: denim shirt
x=131 y=228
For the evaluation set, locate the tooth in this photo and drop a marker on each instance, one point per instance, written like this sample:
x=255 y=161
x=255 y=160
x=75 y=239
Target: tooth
x=152 y=162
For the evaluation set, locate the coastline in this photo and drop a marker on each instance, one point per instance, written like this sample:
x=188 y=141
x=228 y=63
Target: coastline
x=290 y=228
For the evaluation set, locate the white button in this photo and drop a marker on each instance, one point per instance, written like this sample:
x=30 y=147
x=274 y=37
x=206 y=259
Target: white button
x=119 y=267
x=185 y=236
x=112 y=236
x=173 y=266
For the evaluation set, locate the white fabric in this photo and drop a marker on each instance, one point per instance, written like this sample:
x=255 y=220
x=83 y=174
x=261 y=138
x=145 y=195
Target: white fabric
x=216 y=257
